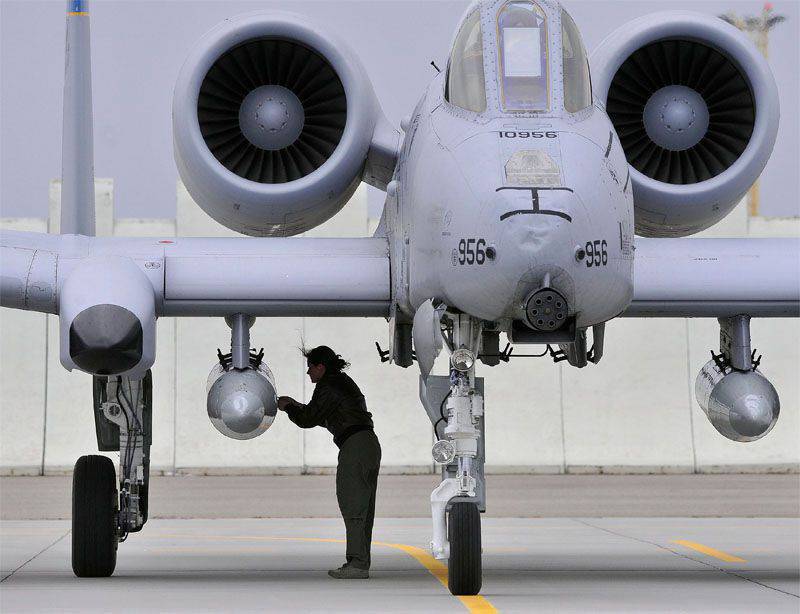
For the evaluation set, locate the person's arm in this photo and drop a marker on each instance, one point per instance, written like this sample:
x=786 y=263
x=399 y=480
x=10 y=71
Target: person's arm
x=316 y=412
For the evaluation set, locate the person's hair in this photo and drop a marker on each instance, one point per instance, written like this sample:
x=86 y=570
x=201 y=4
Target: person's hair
x=323 y=355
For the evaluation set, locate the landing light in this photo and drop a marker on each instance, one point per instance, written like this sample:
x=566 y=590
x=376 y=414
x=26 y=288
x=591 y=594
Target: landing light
x=462 y=360
x=443 y=452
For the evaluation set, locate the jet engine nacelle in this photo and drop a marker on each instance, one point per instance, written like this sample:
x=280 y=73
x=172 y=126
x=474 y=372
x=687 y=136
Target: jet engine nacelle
x=741 y=405
x=275 y=124
x=696 y=109
x=241 y=403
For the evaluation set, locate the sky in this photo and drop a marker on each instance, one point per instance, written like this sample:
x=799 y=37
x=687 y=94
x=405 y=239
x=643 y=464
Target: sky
x=139 y=47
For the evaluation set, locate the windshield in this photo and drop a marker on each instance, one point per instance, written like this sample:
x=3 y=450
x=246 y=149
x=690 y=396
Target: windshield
x=466 y=86
x=522 y=46
x=577 y=84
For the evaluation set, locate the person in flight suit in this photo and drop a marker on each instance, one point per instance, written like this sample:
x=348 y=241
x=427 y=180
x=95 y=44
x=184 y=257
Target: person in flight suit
x=338 y=405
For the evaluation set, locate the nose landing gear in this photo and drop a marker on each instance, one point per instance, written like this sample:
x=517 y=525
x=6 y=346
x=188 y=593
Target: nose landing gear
x=457 y=502
x=464 y=567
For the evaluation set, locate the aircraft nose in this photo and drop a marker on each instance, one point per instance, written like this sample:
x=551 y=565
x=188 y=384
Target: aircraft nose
x=548 y=201
x=535 y=221
x=537 y=240
x=529 y=232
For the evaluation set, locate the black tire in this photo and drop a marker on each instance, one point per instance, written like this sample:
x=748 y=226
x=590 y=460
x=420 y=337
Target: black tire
x=464 y=570
x=144 y=492
x=94 y=517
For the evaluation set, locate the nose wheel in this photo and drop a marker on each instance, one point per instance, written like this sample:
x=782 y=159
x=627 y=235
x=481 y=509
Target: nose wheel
x=94 y=517
x=464 y=569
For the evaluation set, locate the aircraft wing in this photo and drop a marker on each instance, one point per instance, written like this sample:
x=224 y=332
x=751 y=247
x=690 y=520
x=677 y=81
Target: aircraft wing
x=204 y=276
x=716 y=278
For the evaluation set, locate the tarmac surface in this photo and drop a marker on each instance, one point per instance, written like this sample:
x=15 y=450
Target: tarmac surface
x=565 y=563
x=407 y=496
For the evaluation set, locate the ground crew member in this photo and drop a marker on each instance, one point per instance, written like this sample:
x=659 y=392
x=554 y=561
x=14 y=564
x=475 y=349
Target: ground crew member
x=338 y=405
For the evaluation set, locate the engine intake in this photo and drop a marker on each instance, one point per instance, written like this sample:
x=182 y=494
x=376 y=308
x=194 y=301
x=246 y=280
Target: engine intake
x=696 y=110
x=275 y=125
x=271 y=110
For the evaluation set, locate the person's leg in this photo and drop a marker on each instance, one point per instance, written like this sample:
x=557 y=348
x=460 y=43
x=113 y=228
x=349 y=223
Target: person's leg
x=353 y=494
x=372 y=481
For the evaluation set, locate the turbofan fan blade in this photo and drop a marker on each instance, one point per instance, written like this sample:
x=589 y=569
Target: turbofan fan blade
x=710 y=74
x=272 y=62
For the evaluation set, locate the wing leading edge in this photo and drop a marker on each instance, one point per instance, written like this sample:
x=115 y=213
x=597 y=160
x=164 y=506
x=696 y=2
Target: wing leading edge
x=690 y=278
x=207 y=276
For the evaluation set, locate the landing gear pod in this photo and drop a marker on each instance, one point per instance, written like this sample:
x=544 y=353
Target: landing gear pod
x=696 y=109
x=107 y=318
x=276 y=124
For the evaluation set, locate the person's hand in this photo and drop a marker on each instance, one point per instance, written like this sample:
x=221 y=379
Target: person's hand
x=284 y=401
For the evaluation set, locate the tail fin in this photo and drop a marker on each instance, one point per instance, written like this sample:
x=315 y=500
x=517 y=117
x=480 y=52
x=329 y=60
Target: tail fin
x=77 y=147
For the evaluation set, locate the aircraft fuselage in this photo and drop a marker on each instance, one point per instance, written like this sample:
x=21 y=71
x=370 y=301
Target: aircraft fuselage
x=485 y=213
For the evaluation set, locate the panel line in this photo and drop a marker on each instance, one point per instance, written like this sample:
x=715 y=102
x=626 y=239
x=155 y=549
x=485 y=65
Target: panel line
x=34 y=556
x=686 y=556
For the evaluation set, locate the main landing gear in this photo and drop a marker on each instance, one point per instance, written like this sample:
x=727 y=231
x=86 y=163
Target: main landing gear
x=102 y=517
x=94 y=517
x=455 y=406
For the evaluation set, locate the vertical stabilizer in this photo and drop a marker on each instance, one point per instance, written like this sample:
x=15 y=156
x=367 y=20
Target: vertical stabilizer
x=77 y=146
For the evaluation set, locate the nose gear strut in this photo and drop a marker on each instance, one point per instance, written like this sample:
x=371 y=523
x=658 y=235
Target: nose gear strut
x=455 y=406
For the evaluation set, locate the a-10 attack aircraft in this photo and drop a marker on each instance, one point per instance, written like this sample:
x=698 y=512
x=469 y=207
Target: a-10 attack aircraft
x=513 y=193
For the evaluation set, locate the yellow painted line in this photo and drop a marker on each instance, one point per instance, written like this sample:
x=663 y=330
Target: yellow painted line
x=717 y=554
x=476 y=604
x=81 y=13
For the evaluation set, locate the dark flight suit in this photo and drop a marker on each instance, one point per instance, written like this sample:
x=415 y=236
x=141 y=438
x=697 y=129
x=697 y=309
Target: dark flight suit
x=338 y=405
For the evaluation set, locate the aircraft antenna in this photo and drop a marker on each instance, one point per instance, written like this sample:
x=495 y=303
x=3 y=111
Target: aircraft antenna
x=77 y=148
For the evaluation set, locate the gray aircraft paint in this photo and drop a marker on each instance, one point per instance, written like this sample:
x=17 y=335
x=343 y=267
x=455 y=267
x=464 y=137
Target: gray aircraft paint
x=131 y=118
x=77 y=144
x=694 y=207
x=366 y=148
x=495 y=220
x=449 y=184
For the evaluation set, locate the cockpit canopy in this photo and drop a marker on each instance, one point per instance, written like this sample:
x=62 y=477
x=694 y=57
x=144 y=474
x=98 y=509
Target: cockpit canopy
x=466 y=87
x=522 y=38
x=522 y=53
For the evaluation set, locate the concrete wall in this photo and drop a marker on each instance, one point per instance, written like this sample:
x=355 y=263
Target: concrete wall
x=634 y=412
